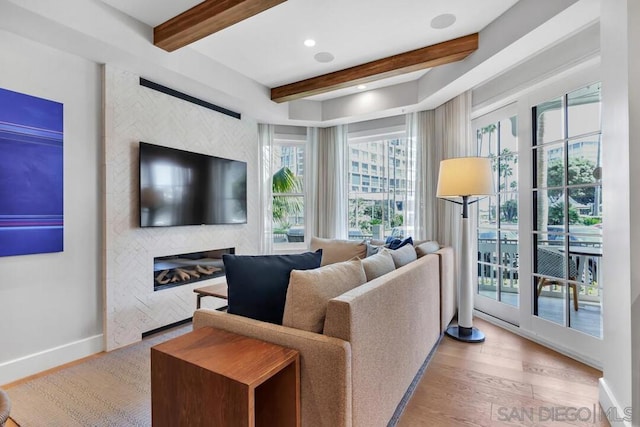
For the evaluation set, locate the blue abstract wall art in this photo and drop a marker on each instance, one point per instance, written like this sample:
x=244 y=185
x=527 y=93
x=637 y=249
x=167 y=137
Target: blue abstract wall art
x=31 y=174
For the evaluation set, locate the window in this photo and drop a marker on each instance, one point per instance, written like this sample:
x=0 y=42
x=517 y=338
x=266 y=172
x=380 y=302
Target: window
x=377 y=208
x=567 y=210
x=288 y=195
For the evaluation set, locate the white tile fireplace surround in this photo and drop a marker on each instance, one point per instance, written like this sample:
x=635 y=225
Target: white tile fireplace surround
x=132 y=114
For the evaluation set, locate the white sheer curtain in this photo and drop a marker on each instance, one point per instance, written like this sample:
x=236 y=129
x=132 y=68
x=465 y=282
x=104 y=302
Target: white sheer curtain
x=331 y=190
x=311 y=184
x=421 y=133
x=265 y=139
x=453 y=136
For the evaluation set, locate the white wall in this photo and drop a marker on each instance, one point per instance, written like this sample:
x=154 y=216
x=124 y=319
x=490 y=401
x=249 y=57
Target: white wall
x=132 y=114
x=51 y=304
x=621 y=177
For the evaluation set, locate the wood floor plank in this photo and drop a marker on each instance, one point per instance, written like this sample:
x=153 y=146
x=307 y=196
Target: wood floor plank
x=567 y=374
x=457 y=373
x=481 y=357
x=564 y=397
x=445 y=408
x=542 y=356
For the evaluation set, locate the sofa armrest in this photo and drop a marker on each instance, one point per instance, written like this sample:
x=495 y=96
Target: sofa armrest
x=448 y=289
x=325 y=364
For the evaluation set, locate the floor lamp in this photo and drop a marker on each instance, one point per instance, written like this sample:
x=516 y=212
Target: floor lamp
x=462 y=178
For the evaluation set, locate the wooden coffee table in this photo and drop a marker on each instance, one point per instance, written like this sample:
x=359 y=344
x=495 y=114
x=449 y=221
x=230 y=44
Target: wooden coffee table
x=211 y=377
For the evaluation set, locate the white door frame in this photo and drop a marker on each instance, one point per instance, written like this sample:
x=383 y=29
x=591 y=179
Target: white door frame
x=567 y=340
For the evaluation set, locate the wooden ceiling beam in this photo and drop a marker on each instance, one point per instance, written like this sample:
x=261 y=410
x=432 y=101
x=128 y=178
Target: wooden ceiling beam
x=204 y=19
x=418 y=59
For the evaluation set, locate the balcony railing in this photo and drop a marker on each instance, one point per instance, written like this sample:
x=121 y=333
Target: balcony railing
x=488 y=260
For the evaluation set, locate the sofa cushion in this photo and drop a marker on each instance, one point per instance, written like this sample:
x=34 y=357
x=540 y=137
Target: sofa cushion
x=309 y=293
x=427 y=248
x=378 y=265
x=334 y=250
x=258 y=284
x=404 y=255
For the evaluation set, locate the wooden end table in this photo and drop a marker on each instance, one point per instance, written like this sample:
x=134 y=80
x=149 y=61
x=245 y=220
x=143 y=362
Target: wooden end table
x=218 y=290
x=211 y=377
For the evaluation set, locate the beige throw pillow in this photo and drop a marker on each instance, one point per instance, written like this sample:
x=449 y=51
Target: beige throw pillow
x=427 y=248
x=309 y=293
x=378 y=265
x=334 y=250
x=404 y=255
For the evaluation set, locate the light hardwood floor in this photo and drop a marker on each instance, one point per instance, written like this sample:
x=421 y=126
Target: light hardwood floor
x=505 y=381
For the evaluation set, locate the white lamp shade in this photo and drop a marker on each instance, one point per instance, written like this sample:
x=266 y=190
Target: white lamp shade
x=465 y=176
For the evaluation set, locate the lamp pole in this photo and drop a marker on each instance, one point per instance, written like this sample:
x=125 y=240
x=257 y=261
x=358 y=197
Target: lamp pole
x=465 y=331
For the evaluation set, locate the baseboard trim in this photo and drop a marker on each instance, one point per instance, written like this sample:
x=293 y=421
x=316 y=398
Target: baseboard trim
x=32 y=364
x=539 y=340
x=609 y=404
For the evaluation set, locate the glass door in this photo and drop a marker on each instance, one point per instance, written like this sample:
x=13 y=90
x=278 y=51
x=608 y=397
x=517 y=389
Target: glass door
x=567 y=211
x=498 y=278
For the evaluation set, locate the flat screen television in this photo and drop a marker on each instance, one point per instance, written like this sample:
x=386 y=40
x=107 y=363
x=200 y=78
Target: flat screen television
x=184 y=188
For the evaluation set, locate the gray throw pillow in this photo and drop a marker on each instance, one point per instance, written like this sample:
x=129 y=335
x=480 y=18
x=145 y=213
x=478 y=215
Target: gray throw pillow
x=404 y=255
x=378 y=264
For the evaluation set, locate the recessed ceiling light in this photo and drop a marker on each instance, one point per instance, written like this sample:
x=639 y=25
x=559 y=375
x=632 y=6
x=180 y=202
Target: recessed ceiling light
x=309 y=42
x=361 y=87
x=443 y=21
x=324 y=57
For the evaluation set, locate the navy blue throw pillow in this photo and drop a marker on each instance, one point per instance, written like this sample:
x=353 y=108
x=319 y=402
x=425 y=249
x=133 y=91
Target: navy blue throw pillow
x=257 y=285
x=397 y=243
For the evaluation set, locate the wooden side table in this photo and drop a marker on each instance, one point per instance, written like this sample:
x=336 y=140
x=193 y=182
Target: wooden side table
x=218 y=290
x=211 y=377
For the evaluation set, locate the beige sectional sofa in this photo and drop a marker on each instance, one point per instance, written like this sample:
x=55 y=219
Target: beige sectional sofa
x=375 y=339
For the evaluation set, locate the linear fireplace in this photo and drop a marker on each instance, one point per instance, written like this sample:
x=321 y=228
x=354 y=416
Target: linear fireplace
x=181 y=269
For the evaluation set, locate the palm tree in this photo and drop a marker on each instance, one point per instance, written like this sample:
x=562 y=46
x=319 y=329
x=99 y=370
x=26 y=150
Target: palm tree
x=285 y=182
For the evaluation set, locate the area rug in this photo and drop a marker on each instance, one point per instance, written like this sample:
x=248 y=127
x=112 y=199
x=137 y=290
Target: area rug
x=109 y=390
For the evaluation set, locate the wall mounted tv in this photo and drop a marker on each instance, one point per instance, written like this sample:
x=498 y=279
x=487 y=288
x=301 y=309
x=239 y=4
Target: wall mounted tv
x=183 y=188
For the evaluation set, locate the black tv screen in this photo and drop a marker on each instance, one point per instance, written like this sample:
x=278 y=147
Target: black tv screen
x=183 y=188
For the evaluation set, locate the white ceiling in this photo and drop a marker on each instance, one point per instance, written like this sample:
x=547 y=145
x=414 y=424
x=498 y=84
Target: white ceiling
x=269 y=49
